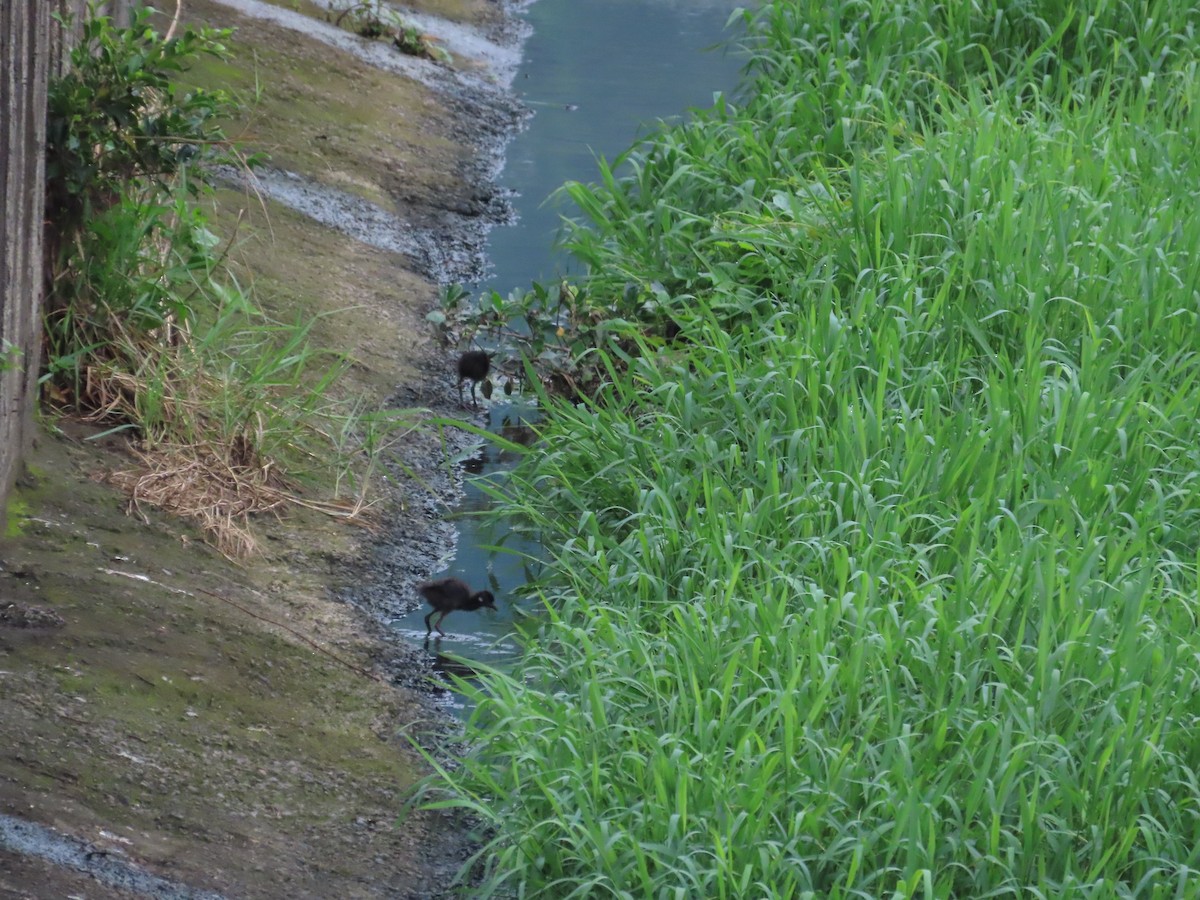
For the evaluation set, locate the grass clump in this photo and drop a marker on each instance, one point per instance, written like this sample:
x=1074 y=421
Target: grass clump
x=146 y=332
x=883 y=581
x=374 y=19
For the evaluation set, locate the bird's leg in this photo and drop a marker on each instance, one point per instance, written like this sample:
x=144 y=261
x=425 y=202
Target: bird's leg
x=474 y=403
x=461 y=402
x=428 y=627
x=438 y=623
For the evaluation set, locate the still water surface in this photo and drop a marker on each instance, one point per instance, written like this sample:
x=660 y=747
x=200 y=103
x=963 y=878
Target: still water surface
x=597 y=74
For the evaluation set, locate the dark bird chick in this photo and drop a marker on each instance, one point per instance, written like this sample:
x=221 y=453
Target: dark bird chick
x=473 y=366
x=448 y=594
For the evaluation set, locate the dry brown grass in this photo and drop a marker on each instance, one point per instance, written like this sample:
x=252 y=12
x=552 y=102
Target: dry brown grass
x=204 y=435
x=221 y=489
x=200 y=483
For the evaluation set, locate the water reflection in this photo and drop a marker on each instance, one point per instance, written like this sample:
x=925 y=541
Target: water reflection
x=598 y=74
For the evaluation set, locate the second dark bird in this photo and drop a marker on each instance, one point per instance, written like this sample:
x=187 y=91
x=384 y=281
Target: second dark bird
x=473 y=366
x=448 y=594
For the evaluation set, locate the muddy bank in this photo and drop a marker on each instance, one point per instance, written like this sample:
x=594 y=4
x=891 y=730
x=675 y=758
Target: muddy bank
x=358 y=121
x=237 y=728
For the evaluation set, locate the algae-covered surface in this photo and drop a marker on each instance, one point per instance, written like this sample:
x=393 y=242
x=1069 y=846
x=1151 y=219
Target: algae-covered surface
x=369 y=306
x=232 y=727
x=320 y=111
x=161 y=721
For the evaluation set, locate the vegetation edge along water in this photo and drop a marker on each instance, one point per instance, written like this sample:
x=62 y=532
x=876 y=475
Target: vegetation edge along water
x=875 y=551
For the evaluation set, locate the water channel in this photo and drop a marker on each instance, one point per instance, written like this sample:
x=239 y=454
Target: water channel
x=596 y=73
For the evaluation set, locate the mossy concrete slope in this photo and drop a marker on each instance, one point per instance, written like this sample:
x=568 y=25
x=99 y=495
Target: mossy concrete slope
x=228 y=725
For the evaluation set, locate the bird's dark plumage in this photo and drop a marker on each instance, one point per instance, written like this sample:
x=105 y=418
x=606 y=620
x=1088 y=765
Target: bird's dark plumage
x=448 y=594
x=473 y=366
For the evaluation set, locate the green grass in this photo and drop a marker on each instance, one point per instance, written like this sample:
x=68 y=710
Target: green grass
x=146 y=329
x=884 y=582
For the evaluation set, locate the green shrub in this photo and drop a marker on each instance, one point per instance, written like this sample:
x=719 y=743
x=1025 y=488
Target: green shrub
x=124 y=147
